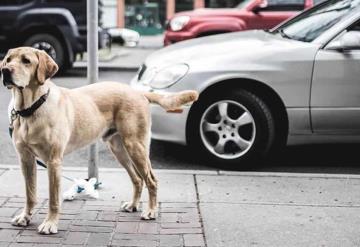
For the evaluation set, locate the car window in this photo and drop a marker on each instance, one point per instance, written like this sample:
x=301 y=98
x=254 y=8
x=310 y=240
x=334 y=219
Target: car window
x=355 y=27
x=242 y=4
x=312 y=23
x=284 y=5
x=318 y=1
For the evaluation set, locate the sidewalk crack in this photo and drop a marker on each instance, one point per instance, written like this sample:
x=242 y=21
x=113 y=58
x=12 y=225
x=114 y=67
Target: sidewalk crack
x=2 y=171
x=199 y=210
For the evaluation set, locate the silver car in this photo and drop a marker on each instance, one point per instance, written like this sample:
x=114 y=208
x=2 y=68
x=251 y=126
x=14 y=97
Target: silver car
x=298 y=83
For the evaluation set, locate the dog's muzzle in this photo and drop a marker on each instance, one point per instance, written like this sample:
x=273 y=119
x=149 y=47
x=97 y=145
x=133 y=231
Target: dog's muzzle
x=7 y=78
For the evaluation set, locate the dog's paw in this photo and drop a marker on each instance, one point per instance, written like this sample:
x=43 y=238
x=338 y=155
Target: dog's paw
x=48 y=227
x=22 y=219
x=129 y=207
x=148 y=215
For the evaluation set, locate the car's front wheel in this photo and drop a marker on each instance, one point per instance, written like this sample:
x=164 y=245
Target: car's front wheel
x=231 y=129
x=52 y=46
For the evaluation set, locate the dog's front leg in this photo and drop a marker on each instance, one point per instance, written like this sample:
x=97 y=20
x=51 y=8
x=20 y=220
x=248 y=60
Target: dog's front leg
x=50 y=224
x=28 y=167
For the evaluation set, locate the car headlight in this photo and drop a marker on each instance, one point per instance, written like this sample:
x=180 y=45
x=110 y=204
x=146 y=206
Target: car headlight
x=179 y=22
x=165 y=77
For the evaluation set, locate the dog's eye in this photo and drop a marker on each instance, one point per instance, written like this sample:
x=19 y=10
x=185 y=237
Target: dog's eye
x=25 y=60
x=8 y=60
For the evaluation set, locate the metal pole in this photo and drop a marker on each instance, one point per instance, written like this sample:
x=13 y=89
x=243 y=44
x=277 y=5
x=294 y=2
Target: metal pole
x=92 y=72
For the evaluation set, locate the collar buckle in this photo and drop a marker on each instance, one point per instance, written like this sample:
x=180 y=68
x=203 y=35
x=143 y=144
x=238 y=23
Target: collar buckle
x=13 y=116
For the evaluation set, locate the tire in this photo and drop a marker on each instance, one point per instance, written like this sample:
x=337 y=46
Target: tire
x=53 y=46
x=215 y=134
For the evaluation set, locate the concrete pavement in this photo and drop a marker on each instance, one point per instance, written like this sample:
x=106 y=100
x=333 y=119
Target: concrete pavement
x=119 y=58
x=125 y=58
x=197 y=208
x=151 y=41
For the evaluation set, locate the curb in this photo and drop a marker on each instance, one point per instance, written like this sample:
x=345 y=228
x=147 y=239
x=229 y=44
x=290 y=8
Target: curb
x=210 y=172
x=289 y=174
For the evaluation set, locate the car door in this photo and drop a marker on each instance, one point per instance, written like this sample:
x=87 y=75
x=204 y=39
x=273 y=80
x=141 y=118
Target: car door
x=335 y=96
x=275 y=12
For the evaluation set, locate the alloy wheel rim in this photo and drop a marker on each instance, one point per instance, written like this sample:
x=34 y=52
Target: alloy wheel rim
x=47 y=47
x=227 y=129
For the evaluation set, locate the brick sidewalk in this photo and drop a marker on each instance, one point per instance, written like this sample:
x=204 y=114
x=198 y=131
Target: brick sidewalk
x=101 y=223
x=237 y=209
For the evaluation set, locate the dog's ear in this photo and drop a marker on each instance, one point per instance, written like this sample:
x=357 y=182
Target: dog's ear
x=47 y=67
x=1 y=65
x=3 y=62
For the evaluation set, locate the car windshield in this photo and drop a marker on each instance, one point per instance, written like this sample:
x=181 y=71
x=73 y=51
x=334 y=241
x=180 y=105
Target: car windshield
x=312 y=23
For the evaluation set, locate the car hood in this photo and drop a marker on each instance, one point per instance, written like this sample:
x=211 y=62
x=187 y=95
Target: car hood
x=250 y=46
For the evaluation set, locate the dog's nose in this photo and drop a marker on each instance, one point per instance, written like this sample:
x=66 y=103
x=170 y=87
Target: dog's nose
x=6 y=73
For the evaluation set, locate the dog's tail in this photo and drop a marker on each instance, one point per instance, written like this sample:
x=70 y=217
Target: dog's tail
x=172 y=102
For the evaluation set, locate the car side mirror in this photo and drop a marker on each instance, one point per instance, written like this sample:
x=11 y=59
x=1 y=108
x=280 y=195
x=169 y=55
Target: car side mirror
x=262 y=4
x=349 y=41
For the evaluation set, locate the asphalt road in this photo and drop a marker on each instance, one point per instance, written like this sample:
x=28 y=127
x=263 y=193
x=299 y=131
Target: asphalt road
x=336 y=158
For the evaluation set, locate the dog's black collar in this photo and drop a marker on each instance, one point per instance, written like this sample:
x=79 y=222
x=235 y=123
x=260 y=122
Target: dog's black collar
x=29 y=111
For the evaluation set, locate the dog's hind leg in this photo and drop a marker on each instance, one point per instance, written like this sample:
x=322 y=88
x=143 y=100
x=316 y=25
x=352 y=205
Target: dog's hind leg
x=28 y=167
x=138 y=151
x=117 y=148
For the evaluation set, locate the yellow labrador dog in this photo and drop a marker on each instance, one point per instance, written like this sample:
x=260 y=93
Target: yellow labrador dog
x=49 y=121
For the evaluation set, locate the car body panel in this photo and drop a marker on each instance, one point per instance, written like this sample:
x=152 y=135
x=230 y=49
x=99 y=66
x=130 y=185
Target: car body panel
x=254 y=55
x=257 y=62
x=336 y=92
x=165 y=131
x=301 y=74
x=299 y=121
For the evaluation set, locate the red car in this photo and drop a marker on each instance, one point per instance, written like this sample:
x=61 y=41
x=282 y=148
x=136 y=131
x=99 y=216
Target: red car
x=249 y=14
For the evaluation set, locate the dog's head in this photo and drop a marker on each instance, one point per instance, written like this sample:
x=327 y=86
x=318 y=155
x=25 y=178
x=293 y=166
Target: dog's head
x=26 y=67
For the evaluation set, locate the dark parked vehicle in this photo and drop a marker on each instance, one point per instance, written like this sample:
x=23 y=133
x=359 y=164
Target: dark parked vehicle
x=56 y=26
